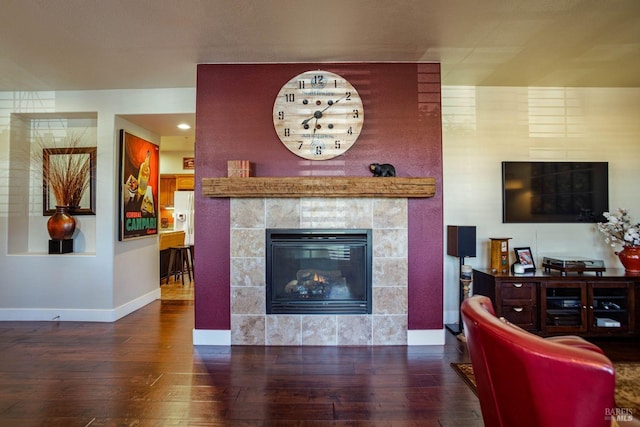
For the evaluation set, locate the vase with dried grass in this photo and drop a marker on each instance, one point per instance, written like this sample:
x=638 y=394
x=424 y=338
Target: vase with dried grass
x=67 y=176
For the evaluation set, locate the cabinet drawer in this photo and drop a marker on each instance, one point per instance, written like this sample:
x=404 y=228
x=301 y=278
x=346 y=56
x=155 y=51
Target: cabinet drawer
x=521 y=313
x=519 y=290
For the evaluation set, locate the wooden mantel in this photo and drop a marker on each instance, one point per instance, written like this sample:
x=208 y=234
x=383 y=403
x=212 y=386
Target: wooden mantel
x=319 y=186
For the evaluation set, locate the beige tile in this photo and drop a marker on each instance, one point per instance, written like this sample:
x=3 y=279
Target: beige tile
x=247 y=330
x=283 y=213
x=390 y=272
x=390 y=330
x=248 y=272
x=247 y=243
x=390 y=213
x=387 y=218
x=247 y=213
x=360 y=213
x=283 y=330
x=390 y=243
x=389 y=300
x=323 y=213
x=248 y=300
x=319 y=330
x=354 y=330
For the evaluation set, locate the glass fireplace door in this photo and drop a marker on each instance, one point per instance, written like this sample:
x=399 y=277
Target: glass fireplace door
x=318 y=271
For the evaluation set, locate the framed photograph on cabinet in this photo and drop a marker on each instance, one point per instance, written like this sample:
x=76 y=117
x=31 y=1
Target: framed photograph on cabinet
x=525 y=258
x=139 y=176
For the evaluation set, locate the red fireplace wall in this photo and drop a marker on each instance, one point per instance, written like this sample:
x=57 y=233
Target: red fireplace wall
x=402 y=126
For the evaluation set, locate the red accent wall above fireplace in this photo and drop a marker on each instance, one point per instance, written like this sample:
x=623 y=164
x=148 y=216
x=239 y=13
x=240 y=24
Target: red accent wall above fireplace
x=402 y=126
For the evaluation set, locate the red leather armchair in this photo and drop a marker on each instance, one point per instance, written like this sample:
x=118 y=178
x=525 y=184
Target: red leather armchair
x=525 y=380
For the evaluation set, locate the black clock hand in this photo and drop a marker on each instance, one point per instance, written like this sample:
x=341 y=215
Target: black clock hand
x=332 y=103
x=318 y=114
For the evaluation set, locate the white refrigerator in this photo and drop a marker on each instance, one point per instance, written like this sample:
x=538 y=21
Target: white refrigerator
x=183 y=214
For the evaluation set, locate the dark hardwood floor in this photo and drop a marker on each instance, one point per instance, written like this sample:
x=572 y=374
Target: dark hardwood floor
x=144 y=371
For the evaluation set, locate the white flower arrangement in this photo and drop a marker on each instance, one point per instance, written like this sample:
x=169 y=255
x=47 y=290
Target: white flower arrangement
x=618 y=230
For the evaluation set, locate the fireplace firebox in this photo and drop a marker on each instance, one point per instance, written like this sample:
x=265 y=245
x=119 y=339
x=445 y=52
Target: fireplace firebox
x=318 y=271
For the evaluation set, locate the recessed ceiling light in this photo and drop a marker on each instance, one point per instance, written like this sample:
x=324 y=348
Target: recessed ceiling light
x=184 y=126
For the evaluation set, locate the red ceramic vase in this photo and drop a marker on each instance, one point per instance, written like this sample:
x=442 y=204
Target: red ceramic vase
x=61 y=225
x=630 y=258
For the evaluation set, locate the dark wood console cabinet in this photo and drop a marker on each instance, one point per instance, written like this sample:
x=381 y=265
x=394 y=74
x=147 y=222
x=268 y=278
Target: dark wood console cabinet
x=549 y=303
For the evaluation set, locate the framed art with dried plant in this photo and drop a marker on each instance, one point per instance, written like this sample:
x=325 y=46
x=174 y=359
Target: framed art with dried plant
x=69 y=179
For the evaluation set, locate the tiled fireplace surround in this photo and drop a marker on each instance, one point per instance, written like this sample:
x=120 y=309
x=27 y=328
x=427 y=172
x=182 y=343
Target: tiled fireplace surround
x=388 y=219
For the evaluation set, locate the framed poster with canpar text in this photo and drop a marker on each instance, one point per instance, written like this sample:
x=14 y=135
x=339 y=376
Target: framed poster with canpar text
x=139 y=176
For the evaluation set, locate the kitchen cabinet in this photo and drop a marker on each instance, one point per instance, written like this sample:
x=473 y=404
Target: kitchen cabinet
x=167 y=188
x=169 y=184
x=185 y=182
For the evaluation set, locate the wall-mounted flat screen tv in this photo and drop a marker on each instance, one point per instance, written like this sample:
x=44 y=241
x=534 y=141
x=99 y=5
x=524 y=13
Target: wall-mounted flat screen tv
x=554 y=191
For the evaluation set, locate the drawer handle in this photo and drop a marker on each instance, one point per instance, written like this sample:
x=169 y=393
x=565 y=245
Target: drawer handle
x=518 y=309
x=517 y=285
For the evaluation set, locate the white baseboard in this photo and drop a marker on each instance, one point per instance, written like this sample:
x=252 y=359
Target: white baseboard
x=425 y=337
x=223 y=337
x=211 y=337
x=136 y=304
x=77 y=314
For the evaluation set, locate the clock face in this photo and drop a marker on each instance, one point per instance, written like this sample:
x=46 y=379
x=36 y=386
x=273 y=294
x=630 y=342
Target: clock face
x=318 y=115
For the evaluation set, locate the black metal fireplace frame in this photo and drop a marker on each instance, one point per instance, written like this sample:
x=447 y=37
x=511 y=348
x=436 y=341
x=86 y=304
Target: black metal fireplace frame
x=295 y=236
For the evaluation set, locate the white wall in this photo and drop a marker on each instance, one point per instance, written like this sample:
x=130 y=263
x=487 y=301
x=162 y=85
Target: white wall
x=118 y=277
x=171 y=162
x=484 y=126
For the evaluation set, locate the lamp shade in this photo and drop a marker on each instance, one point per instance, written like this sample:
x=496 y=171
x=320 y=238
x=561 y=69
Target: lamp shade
x=461 y=240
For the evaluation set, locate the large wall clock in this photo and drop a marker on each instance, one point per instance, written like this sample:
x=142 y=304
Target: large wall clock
x=318 y=115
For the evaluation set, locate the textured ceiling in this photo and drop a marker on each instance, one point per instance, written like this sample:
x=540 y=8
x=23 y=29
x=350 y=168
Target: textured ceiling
x=119 y=44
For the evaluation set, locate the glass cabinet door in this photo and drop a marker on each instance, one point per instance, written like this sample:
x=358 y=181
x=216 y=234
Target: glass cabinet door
x=563 y=307
x=609 y=306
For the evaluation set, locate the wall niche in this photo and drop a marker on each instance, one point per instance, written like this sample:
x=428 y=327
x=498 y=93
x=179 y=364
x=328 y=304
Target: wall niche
x=27 y=222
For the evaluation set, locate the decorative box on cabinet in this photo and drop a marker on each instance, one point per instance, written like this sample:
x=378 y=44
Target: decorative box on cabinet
x=549 y=303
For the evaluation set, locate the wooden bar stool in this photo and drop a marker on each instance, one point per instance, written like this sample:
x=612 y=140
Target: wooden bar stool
x=179 y=263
